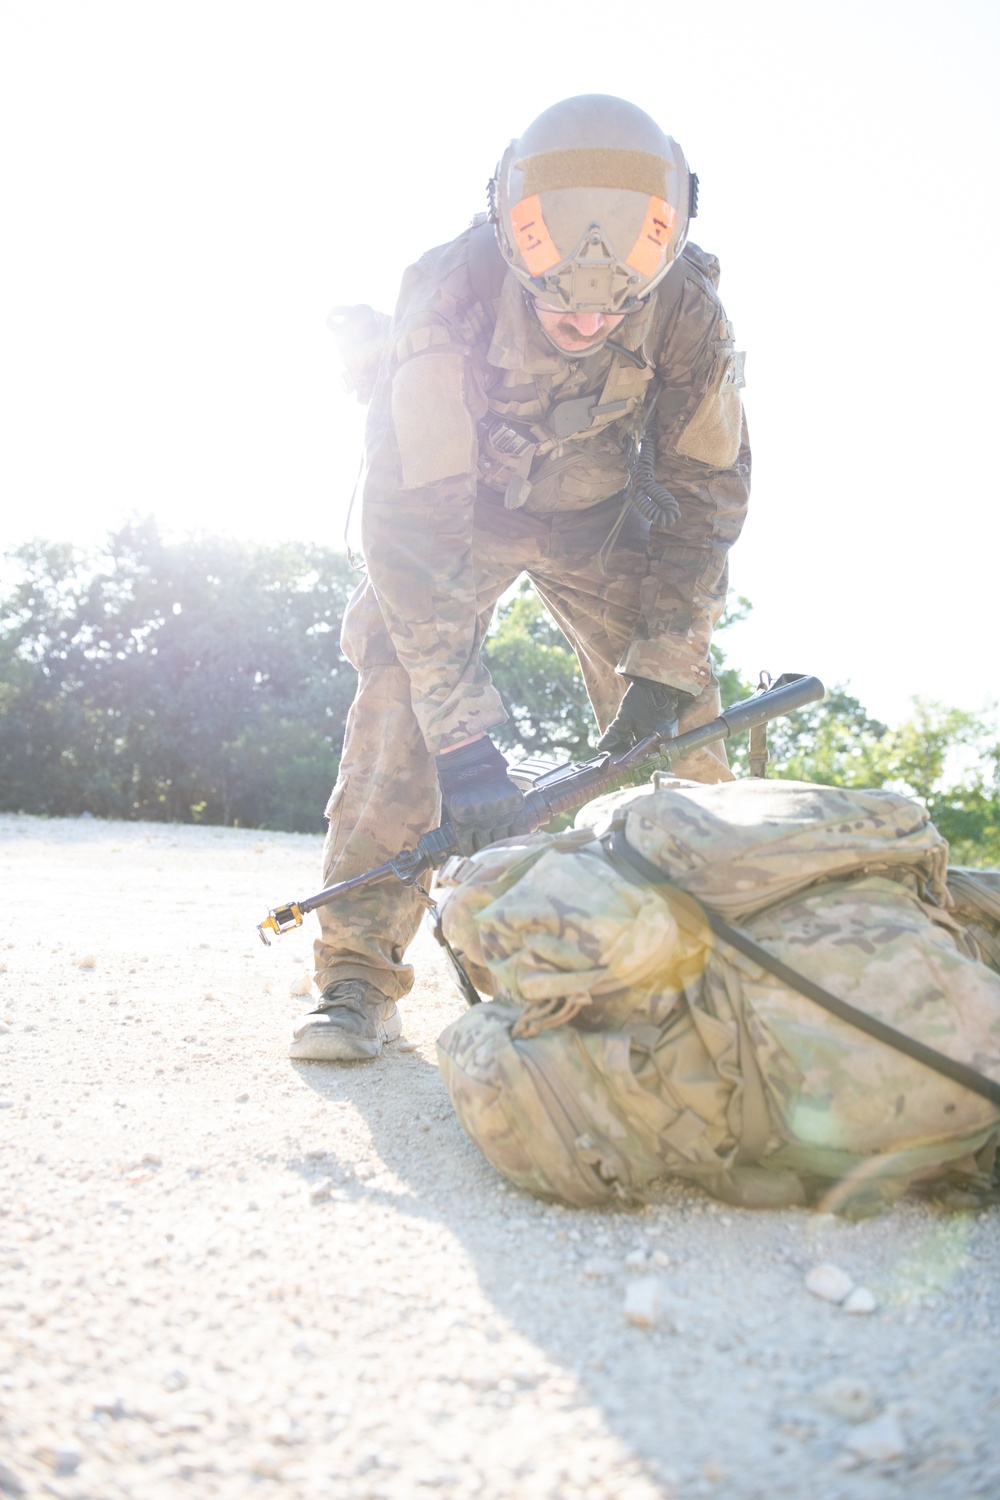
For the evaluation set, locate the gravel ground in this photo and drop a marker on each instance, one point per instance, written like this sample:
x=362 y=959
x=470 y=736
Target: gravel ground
x=226 y=1274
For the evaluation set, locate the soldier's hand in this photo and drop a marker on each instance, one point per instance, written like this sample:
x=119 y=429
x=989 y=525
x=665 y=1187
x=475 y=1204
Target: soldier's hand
x=647 y=708
x=478 y=798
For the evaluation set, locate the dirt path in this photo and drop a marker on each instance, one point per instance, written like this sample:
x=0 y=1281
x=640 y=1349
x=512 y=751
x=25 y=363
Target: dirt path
x=225 y=1274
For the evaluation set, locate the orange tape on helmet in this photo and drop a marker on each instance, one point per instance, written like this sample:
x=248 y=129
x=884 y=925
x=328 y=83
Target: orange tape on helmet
x=533 y=238
x=647 y=253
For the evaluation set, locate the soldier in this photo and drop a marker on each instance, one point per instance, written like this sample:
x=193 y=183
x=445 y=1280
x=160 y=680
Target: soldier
x=560 y=397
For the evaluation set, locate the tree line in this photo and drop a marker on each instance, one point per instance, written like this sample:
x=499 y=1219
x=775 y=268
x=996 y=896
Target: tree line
x=194 y=681
x=202 y=681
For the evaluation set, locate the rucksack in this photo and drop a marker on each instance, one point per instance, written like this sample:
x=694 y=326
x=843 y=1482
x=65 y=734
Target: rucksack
x=627 y=1041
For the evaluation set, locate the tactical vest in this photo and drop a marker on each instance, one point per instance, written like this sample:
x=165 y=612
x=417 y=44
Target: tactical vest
x=532 y=424
x=540 y=427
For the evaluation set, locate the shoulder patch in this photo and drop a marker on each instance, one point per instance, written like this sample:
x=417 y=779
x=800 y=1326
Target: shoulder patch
x=435 y=430
x=712 y=436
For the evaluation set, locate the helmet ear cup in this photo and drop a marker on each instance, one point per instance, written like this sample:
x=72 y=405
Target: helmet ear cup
x=500 y=204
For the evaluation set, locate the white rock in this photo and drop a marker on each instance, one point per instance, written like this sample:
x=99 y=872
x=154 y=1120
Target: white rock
x=661 y=1258
x=112 y=1406
x=599 y=1265
x=643 y=1302
x=321 y=1189
x=829 y=1283
x=267 y=1465
x=303 y=985
x=637 y=1260
x=860 y=1301
x=848 y=1398
x=63 y=1458
x=10 y=1483
x=878 y=1441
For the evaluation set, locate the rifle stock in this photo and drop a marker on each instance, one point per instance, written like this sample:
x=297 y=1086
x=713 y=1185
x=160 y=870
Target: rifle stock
x=564 y=789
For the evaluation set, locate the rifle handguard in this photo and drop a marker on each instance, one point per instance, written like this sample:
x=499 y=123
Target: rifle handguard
x=564 y=789
x=547 y=801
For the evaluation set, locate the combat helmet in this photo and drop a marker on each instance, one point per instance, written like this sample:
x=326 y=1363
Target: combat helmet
x=592 y=204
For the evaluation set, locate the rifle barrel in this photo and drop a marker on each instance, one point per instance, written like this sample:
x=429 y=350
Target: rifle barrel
x=784 y=698
x=571 y=787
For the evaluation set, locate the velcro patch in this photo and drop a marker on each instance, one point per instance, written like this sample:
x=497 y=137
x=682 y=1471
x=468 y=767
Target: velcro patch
x=713 y=434
x=435 y=431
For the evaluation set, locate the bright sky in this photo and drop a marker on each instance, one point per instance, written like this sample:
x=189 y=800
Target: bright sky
x=188 y=187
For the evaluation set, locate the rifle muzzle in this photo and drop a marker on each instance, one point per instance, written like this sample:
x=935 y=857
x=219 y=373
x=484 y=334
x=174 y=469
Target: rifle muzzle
x=280 y=919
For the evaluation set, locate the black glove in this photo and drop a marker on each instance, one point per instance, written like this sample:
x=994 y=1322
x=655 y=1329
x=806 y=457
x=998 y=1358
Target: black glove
x=478 y=798
x=647 y=708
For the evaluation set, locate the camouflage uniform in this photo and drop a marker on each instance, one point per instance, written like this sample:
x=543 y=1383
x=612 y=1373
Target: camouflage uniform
x=467 y=488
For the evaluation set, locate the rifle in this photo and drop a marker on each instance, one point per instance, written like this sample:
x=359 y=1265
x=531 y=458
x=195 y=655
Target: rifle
x=563 y=789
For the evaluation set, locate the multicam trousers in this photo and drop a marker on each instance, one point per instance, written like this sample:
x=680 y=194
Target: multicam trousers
x=387 y=793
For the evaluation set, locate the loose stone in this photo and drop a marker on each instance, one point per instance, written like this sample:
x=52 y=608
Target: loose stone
x=829 y=1283
x=10 y=1483
x=643 y=1302
x=62 y=1458
x=598 y=1266
x=850 y=1399
x=878 y=1441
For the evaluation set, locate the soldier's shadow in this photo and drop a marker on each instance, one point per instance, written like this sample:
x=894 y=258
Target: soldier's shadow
x=576 y=1320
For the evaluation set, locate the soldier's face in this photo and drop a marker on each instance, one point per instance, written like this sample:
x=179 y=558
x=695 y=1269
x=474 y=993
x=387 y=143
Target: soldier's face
x=576 y=332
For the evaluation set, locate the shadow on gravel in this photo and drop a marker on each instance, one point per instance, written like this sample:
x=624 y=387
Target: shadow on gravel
x=528 y=1256
x=725 y=1394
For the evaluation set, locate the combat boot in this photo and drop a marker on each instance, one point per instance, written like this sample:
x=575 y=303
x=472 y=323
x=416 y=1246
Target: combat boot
x=350 y=1024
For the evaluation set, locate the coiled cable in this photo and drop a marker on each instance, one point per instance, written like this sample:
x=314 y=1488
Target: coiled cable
x=652 y=500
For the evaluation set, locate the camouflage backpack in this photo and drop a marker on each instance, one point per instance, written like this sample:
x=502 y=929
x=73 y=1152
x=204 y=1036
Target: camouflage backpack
x=628 y=1041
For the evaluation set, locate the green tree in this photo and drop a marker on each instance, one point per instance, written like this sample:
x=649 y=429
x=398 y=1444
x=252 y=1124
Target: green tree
x=833 y=742
x=949 y=760
x=197 y=680
x=538 y=677
x=733 y=686
x=946 y=758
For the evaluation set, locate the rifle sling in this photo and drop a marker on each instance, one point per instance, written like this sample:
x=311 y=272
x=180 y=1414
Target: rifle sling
x=958 y=1072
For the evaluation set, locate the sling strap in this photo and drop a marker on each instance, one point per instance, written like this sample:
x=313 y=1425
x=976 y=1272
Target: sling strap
x=487 y=267
x=958 y=1072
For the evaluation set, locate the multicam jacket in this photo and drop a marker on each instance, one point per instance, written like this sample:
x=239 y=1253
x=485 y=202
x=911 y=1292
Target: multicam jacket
x=472 y=398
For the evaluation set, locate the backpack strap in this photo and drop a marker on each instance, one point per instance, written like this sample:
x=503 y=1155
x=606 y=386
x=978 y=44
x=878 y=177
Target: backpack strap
x=487 y=267
x=958 y=1072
